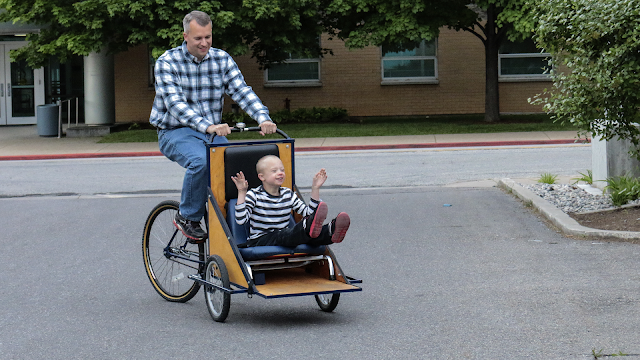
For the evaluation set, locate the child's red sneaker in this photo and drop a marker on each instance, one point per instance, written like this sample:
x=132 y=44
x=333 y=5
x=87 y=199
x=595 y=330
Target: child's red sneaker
x=339 y=226
x=313 y=223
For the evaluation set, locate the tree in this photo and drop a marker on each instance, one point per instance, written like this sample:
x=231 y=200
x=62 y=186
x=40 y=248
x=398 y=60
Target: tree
x=269 y=30
x=379 y=22
x=598 y=41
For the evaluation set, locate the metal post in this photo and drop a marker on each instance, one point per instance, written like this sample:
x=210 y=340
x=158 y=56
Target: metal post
x=59 y=118
x=68 y=101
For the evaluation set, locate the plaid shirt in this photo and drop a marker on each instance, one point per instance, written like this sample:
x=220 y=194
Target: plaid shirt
x=191 y=93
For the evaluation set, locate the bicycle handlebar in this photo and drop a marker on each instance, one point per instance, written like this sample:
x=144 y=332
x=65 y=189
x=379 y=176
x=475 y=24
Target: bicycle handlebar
x=240 y=128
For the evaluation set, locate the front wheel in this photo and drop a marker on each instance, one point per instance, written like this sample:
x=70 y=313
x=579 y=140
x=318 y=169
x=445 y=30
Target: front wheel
x=168 y=258
x=328 y=302
x=218 y=301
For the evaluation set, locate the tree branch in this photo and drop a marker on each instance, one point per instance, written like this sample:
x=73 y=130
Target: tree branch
x=471 y=30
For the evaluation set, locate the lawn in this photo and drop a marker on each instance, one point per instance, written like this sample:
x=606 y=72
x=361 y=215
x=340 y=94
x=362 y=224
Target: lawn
x=381 y=126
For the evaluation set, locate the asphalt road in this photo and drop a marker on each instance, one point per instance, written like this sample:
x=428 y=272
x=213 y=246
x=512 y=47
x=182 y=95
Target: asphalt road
x=356 y=169
x=483 y=278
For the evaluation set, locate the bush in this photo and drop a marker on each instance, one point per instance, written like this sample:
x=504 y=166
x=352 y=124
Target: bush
x=623 y=189
x=297 y=116
x=548 y=178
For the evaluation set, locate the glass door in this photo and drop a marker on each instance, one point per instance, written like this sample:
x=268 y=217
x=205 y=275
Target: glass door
x=21 y=88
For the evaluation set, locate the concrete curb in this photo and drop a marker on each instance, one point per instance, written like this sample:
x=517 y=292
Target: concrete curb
x=557 y=217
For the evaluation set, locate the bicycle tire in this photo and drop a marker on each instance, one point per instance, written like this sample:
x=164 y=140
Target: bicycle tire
x=162 y=243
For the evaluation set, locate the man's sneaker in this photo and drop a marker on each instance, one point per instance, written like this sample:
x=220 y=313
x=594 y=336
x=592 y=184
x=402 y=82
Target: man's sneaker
x=190 y=229
x=313 y=223
x=339 y=226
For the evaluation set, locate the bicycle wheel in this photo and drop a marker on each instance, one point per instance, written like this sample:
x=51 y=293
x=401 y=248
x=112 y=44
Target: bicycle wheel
x=168 y=258
x=218 y=301
x=328 y=302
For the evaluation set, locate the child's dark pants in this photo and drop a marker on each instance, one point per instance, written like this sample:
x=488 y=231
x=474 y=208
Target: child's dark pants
x=292 y=237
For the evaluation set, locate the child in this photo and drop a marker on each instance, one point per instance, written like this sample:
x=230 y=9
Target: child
x=268 y=208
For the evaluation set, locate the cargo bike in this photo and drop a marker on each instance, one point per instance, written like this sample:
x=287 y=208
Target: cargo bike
x=177 y=268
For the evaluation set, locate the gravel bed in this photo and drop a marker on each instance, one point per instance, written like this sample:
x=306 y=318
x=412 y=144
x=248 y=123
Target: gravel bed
x=571 y=198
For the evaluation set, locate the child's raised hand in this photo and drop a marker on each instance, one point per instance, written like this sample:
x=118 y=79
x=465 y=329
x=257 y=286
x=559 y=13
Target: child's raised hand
x=240 y=181
x=319 y=179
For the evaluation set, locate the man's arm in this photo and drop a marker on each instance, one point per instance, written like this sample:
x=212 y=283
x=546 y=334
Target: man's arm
x=246 y=98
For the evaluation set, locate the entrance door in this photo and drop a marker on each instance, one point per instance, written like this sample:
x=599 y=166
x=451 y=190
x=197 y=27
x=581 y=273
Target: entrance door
x=21 y=88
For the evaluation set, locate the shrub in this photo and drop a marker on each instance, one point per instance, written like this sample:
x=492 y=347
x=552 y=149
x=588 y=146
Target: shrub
x=587 y=178
x=623 y=189
x=548 y=178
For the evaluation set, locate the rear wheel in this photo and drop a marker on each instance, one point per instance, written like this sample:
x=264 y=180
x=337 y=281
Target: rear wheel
x=218 y=301
x=328 y=302
x=168 y=258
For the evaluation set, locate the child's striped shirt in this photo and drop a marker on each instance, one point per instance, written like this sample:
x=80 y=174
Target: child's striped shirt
x=266 y=212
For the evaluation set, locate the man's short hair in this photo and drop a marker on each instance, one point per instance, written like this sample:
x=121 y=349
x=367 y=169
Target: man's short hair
x=200 y=17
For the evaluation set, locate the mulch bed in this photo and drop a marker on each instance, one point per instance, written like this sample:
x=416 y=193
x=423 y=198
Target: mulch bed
x=625 y=219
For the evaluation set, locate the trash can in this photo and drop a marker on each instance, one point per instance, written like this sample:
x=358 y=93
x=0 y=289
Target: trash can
x=47 y=120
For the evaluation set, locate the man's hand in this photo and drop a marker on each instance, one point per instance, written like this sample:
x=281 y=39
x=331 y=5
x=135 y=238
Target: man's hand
x=219 y=130
x=267 y=127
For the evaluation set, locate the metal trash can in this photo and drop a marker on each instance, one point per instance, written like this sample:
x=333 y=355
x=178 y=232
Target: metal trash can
x=47 y=120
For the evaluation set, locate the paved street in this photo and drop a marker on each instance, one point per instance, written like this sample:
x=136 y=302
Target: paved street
x=354 y=169
x=483 y=278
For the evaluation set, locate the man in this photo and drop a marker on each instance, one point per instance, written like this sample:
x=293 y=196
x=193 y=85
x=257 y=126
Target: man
x=191 y=81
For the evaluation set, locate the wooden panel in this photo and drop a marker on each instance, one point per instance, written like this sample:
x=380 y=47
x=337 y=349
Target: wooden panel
x=216 y=173
x=219 y=245
x=285 y=157
x=298 y=282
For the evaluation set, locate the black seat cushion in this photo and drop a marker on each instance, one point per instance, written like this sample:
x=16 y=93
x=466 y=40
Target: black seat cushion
x=244 y=158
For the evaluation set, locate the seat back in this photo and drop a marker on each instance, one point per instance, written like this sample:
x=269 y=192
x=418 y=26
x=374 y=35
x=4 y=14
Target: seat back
x=244 y=158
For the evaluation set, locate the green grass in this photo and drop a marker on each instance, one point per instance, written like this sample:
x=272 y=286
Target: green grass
x=548 y=178
x=384 y=126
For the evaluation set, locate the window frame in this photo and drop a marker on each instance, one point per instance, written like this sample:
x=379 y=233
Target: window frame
x=295 y=82
x=545 y=76
x=413 y=79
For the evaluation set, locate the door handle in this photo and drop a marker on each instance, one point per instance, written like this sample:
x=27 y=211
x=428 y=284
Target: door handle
x=8 y=89
x=1 y=90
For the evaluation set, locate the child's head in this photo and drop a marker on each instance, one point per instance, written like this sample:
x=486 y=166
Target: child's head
x=270 y=170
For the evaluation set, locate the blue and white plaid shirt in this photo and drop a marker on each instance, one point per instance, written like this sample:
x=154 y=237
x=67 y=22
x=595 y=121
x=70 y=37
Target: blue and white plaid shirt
x=191 y=93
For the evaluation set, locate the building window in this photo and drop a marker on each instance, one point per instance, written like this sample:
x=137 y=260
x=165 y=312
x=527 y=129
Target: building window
x=297 y=70
x=415 y=63
x=522 y=61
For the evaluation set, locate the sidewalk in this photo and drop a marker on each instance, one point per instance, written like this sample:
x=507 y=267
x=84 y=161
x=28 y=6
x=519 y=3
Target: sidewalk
x=23 y=143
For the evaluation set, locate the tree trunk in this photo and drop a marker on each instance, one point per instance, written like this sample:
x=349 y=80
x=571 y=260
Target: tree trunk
x=491 y=46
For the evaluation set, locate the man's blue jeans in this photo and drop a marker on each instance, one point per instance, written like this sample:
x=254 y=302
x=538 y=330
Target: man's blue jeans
x=188 y=148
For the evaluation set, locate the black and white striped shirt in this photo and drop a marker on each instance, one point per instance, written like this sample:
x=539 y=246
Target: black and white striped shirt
x=266 y=212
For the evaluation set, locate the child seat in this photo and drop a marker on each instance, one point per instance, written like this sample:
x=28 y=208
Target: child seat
x=244 y=159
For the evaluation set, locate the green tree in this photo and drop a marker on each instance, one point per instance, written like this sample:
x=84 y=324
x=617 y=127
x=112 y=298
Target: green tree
x=269 y=30
x=598 y=41
x=378 y=22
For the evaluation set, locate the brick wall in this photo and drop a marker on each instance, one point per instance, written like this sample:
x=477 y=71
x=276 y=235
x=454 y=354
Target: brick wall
x=351 y=79
x=134 y=97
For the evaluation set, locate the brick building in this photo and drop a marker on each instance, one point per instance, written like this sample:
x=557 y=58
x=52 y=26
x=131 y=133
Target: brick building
x=443 y=76
x=446 y=76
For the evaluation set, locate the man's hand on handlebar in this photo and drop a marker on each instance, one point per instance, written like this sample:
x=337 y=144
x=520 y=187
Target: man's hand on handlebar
x=219 y=130
x=268 y=127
